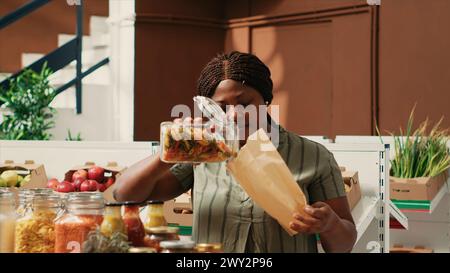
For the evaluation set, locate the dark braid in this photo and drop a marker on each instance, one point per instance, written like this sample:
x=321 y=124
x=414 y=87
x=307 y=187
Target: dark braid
x=241 y=67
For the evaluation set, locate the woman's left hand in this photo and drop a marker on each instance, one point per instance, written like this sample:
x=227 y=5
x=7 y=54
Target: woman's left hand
x=318 y=218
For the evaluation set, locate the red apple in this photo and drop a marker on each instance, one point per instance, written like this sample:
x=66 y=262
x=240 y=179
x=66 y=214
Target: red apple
x=101 y=187
x=77 y=183
x=96 y=173
x=65 y=186
x=89 y=185
x=80 y=174
x=52 y=183
x=109 y=182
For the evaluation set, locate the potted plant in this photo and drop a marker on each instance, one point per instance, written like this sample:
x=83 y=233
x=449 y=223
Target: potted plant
x=27 y=101
x=422 y=158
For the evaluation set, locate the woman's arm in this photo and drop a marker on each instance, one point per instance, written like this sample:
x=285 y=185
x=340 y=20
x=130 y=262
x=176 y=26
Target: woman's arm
x=332 y=220
x=151 y=179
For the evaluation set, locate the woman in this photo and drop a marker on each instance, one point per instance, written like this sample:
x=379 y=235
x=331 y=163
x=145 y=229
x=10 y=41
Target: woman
x=223 y=212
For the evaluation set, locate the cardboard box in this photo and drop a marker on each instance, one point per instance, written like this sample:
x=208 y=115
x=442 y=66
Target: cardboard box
x=112 y=169
x=421 y=188
x=177 y=212
x=416 y=249
x=29 y=167
x=353 y=189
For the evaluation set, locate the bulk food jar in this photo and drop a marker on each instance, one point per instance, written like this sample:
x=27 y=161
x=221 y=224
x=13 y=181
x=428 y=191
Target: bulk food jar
x=156 y=235
x=215 y=140
x=133 y=224
x=35 y=230
x=155 y=214
x=83 y=213
x=7 y=221
x=112 y=221
x=177 y=246
x=25 y=196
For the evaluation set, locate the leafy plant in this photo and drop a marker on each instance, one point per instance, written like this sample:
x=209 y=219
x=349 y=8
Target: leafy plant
x=419 y=153
x=73 y=138
x=28 y=99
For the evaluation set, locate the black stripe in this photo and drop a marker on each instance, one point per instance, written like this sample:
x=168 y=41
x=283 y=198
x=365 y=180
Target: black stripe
x=238 y=228
x=323 y=188
x=332 y=176
x=264 y=232
x=280 y=237
x=317 y=161
x=302 y=157
x=200 y=205
x=211 y=202
x=225 y=210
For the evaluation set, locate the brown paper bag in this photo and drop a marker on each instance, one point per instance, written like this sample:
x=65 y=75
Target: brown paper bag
x=266 y=178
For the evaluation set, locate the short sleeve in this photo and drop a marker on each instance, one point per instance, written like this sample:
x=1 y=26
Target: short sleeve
x=328 y=183
x=185 y=175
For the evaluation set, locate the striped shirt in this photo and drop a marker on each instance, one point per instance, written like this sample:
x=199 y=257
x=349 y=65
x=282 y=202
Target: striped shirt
x=224 y=213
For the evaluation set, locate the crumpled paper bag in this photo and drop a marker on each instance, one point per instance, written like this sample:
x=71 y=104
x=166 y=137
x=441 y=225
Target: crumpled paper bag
x=266 y=178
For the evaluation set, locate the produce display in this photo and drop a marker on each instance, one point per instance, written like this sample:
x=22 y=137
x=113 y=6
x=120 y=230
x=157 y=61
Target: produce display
x=192 y=144
x=12 y=178
x=82 y=180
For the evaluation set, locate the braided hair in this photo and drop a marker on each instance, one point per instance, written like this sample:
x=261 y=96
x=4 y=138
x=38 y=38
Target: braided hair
x=241 y=67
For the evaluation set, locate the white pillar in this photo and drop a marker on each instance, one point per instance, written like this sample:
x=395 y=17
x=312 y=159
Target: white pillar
x=121 y=20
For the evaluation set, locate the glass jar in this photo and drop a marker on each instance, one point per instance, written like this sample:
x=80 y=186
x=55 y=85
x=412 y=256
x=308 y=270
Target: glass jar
x=25 y=196
x=214 y=140
x=83 y=213
x=142 y=250
x=177 y=246
x=112 y=220
x=133 y=224
x=209 y=248
x=8 y=219
x=35 y=230
x=155 y=214
x=156 y=235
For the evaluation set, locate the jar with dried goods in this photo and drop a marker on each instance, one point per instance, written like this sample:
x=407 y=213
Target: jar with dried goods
x=35 y=230
x=84 y=213
x=8 y=218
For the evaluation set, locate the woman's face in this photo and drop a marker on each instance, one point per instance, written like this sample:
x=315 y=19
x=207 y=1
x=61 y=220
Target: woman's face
x=233 y=93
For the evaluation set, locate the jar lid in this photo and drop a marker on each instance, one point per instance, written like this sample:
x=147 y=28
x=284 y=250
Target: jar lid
x=210 y=109
x=85 y=196
x=142 y=250
x=162 y=230
x=131 y=203
x=155 y=202
x=208 y=247
x=177 y=244
x=114 y=204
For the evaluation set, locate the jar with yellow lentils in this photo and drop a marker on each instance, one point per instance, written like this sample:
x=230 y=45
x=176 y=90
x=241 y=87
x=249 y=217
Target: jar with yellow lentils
x=35 y=229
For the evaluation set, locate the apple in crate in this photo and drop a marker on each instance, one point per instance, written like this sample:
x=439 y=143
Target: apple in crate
x=101 y=187
x=52 y=183
x=80 y=174
x=77 y=183
x=109 y=182
x=65 y=186
x=89 y=185
x=96 y=173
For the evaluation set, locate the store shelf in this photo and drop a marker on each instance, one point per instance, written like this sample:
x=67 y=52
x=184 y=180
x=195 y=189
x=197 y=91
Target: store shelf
x=421 y=205
x=398 y=219
x=363 y=214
